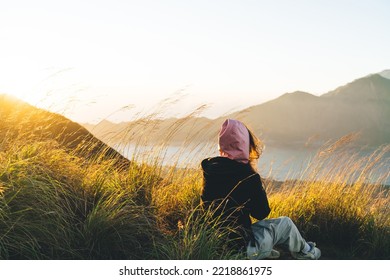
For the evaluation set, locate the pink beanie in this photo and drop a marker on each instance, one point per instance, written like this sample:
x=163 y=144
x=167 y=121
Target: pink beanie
x=234 y=140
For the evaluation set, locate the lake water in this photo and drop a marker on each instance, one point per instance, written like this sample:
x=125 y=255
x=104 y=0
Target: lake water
x=279 y=163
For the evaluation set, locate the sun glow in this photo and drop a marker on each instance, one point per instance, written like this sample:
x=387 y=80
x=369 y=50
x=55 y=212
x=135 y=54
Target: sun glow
x=227 y=53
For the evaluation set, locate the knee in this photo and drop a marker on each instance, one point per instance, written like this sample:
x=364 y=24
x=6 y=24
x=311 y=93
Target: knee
x=286 y=220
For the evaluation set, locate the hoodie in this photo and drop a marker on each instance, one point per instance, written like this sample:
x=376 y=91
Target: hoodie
x=235 y=185
x=233 y=140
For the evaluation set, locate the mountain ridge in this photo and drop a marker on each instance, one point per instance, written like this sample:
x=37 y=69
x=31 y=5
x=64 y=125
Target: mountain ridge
x=385 y=73
x=363 y=88
x=361 y=106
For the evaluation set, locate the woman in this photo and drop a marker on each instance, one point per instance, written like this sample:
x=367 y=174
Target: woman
x=233 y=189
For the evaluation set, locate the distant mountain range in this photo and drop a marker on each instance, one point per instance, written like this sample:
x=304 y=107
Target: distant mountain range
x=361 y=106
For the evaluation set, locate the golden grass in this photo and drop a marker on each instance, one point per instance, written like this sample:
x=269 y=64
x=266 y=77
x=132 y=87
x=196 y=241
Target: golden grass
x=56 y=203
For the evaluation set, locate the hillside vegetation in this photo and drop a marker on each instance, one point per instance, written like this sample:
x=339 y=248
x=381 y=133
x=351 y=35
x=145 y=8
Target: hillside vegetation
x=66 y=195
x=21 y=122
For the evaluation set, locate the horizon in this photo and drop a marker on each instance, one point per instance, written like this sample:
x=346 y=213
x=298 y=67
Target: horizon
x=123 y=59
x=158 y=114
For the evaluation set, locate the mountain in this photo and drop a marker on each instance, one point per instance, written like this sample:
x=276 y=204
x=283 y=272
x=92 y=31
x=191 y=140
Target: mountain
x=20 y=120
x=279 y=121
x=371 y=88
x=361 y=106
x=385 y=74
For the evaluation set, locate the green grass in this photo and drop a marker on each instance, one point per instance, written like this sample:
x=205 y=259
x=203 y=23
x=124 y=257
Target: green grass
x=57 y=203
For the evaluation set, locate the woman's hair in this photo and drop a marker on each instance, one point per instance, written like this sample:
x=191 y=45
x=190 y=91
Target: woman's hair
x=256 y=147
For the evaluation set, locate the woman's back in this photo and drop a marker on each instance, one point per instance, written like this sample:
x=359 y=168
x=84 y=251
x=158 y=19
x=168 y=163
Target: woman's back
x=235 y=192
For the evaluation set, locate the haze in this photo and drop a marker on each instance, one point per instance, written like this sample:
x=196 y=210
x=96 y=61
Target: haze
x=89 y=59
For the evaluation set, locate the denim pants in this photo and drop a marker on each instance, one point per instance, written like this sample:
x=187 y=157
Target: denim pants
x=270 y=232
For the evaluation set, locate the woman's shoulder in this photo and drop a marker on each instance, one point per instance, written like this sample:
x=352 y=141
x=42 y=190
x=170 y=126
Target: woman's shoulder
x=220 y=161
x=225 y=165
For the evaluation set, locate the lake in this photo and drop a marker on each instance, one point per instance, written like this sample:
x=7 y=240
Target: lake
x=278 y=163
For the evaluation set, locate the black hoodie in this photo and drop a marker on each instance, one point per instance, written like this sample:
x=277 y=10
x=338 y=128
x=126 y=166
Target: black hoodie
x=240 y=190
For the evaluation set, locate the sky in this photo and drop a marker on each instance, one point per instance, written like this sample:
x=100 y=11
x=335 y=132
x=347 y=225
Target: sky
x=117 y=59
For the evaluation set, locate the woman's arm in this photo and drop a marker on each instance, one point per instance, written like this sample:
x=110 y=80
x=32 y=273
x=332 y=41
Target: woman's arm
x=258 y=203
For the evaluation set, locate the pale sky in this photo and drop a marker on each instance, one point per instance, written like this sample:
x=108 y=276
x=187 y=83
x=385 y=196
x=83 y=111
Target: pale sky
x=88 y=59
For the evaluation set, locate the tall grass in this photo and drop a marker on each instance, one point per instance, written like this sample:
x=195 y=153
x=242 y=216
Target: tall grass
x=337 y=203
x=57 y=203
x=54 y=205
x=200 y=236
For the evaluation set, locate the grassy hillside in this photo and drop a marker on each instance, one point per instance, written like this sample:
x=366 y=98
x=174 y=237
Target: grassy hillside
x=71 y=201
x=23 y=122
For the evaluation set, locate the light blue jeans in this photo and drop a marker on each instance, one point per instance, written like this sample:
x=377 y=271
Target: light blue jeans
x=271 y=232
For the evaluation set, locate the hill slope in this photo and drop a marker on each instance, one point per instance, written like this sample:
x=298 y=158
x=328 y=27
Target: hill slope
x=20 y=120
